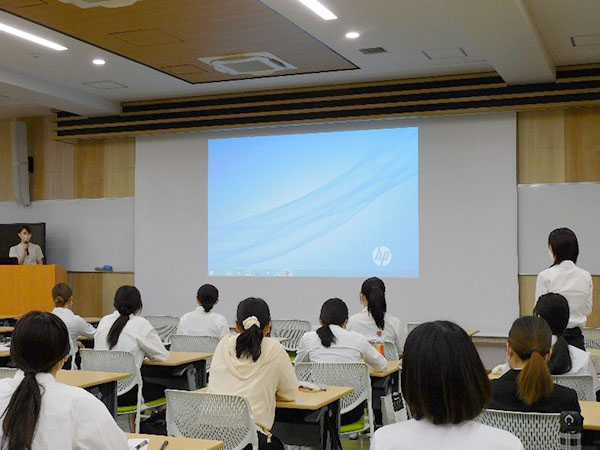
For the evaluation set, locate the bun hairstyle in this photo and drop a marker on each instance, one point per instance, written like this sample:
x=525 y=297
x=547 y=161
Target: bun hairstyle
x=333 y=312
x=128 y=300
x=554 y=309
x=564 y=245
x=530 y=338
x=207 y=296
x=40 y=340
x=374 y=291
x=253 y=316
x=61 y=294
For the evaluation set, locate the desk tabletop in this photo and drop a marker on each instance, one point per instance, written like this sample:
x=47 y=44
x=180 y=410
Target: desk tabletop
x=316 y=400
x=472 y=333
x=4 y=353
x=177 y=443
x=9 y=316
x=86 y=378
x=591 y=415
x=593 y=351
x=7 y=329
x=393 y=367
x=179 y=358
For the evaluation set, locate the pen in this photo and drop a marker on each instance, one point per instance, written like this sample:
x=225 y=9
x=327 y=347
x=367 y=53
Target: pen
x=141 y=444
x=164 y=445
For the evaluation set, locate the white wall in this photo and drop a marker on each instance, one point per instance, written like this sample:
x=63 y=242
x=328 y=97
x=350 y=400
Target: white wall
x=468 y=229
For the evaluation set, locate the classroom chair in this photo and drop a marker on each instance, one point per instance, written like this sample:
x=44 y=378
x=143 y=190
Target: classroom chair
x=537 y=431
x=221 y=417
x=165 y=326
x=185 y=343
x=119 y=361
x=582 y=384
x=354 y=375
x=292 y=329
x=595 y=358
x=7 y=372
x=390 y=350
x=591 y=337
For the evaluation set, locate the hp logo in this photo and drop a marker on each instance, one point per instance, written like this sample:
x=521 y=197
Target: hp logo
x=382 y=256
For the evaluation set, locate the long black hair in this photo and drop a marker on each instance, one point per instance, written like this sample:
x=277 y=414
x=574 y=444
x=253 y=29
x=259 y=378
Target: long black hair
x=554 y=309
x=333 y=312
x=128 y=300
x=249 y=340
x=374 y=291
x=39 y=341
x=564 y=245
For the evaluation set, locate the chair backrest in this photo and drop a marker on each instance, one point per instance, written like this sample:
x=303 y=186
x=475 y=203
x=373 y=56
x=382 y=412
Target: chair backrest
x=113 y=361
x=582 y=384
x=391 y=352
x=292 y=329
x=7 y=372
x=221 y=417
x=165 y=326
x=591 y=337
x=536 y=431
x=595 y=358
x=186 y=343
x=355 y=375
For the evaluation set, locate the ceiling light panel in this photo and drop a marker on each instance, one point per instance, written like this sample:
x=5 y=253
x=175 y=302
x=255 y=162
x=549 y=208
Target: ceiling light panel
x=444 y=53
x=318 y=8
x=585 y=41
x=31 y=37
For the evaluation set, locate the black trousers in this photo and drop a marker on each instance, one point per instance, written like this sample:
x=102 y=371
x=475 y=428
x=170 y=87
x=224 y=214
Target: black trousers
x=150 y=392
x=275 y=443
x=574 y=337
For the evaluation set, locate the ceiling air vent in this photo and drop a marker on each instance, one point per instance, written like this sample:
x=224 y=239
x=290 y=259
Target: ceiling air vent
x=104 y=3
x=372 y=50
x=261 y=63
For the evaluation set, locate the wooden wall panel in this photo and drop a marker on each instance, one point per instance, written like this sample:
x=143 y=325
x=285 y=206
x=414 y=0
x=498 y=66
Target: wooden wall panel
x=6 y=177
x=94 y=293
x=89 y=170
x=582 y=140
x=527 y=296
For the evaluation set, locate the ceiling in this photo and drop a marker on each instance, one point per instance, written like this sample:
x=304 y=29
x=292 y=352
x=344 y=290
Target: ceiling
x=152 y=47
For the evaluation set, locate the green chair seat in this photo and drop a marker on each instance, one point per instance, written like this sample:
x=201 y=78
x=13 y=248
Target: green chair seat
x=133 y=408
x=354 y=426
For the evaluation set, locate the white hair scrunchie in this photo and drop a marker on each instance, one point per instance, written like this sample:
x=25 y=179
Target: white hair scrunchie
x=250 y=321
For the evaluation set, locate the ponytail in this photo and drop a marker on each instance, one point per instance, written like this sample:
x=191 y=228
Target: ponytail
x=40 y=341
x=560 y=361
x=530 y=338
x=253 y=316
x=374 y=291
x=333 y=312
x=128 y=300
x=554 y=309
x=534 y=381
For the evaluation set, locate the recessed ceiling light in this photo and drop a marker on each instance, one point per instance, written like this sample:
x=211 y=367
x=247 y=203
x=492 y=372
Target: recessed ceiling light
x=352 y=34
x=99 y=62
x=318 y=8
x=31 y=37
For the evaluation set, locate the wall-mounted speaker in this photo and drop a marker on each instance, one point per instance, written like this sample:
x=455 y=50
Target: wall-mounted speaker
x=18 y=133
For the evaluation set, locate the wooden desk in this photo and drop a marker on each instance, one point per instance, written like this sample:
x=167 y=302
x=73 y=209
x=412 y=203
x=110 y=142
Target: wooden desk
x=472 y=333
x=291 y=427
x=27 y=288
x=393 y=367
x=151 y=370
x=9 y=316
x=105 y=382
x=591 y=415
x=4 y=353
x=177 y=443
x=6 y=330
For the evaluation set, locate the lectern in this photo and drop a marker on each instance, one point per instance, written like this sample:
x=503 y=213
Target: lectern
x=25 y=288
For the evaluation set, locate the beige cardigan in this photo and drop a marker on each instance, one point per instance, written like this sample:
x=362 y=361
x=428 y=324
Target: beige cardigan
x=271 y=376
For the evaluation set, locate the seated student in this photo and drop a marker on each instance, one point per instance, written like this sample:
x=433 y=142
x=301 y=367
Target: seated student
x=528 y=386
x=38 y=412
x=203 y=321
x=374 y=321
x=445 y=386
x=255 y=367
x=62 y=295
x=125 y=330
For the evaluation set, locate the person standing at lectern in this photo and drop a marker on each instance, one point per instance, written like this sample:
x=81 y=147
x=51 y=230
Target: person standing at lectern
x=26 y=252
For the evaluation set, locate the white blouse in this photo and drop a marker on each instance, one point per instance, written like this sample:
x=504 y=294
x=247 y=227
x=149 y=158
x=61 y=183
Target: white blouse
x=363 y=323
x=201 y=323
x=424 y=435
x=349 y=347
x=70 y=417
x=76 y=326
x=574 y=283
x=138 y=337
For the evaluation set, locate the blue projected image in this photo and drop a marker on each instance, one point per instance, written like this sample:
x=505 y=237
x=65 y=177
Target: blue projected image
x=334 y=204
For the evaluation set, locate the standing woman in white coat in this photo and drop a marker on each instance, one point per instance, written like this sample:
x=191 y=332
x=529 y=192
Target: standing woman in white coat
x=565 y=278
x=374 y=320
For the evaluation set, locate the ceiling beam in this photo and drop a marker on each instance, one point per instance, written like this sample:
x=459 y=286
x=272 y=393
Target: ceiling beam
x=506 y=35
x=28 y=89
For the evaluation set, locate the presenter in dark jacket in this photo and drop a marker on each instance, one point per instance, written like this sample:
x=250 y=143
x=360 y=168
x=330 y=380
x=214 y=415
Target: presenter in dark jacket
x=528 y=386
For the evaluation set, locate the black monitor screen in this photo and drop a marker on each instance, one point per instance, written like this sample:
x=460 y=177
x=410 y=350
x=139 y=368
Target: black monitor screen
x=8 y=236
